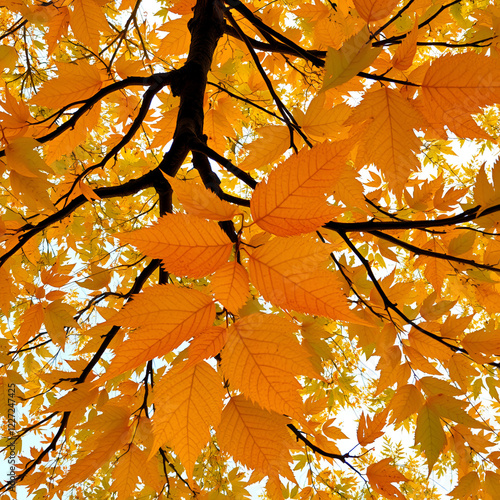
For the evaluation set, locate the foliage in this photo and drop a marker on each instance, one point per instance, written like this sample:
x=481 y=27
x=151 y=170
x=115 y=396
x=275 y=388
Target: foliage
x=250 y=248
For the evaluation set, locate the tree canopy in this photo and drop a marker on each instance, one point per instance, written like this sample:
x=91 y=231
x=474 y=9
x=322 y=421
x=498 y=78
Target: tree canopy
x=250 y=248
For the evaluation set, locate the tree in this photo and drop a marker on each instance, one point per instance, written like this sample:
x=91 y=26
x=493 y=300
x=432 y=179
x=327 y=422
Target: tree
x=236 y=234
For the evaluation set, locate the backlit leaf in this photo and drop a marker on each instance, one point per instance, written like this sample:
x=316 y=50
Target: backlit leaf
x=255 y=437
x=187 y=245
x=262 y=358
x=163 y=317
x=187 y=403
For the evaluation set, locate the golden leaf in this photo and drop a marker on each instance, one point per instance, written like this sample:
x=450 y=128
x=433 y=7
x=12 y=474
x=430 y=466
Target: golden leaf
x=257 y=438
x=293 y=200
x=262 y=357
x=200 y=201
x=230 y=285
x=187 y=403
x=187 y=245
x=163 y=316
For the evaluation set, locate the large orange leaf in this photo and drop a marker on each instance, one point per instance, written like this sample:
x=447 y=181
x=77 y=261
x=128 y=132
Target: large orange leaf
x=75 y=82
x=187 y=245
x=164 y=316
x=373 y=10
x=87 y=20
x=187 y=403
x=257 y=438
x=262 y=357
x=230 y=286
x=381 y=476
x=200 y=201
x=287 y=272
x=389 y=140
x=293 y=200
x=457 y=85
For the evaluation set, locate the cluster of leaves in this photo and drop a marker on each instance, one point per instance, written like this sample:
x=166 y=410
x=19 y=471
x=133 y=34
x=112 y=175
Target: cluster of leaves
x=250 y=244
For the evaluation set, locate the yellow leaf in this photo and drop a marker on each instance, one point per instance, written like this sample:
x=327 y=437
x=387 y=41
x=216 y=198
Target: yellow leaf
x=257 y=438
x=8 y=57
x=287 y=273
x=430 y=434
x=33 y=192
x=369 y=429
x=406 y=401
x=266 y=150
x=187 y=245
x=128 y=67
x=403 y=57
x=389 y=140
x=75 y=82
x=58 y=315
x=293 y=200
x=187 y=403
x=200 y=201
x=217 y=128
x=24 y=159
x=321 y=122
x=262 y=357
x=163 y=316
x=230 y=286
x=373 y=10
x=87 y=19
x=354 y=56
x=491 y=485
x=6 y=291
x=31 y=323
x=177 y=40
x=381 y=476
x=99 y=278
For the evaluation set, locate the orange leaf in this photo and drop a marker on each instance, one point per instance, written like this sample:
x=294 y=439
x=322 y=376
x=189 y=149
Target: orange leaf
x=230 y=286
x=262 y=357
x=381 y=476
x=200 y=201
x=406 y=401
x=187 y=403
x=293 y=200
x=370 y=429
x=373 y=10
x=257 y=438
x=286 y=273
x=389 y=140
x=164 y=316
x=87 y=19
x=206 y=344
x=126 y=471
x=75 y=82
x=403 y=57
x=274 y=142
x=31 y=323
x=187 y=245
x=457 y=85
